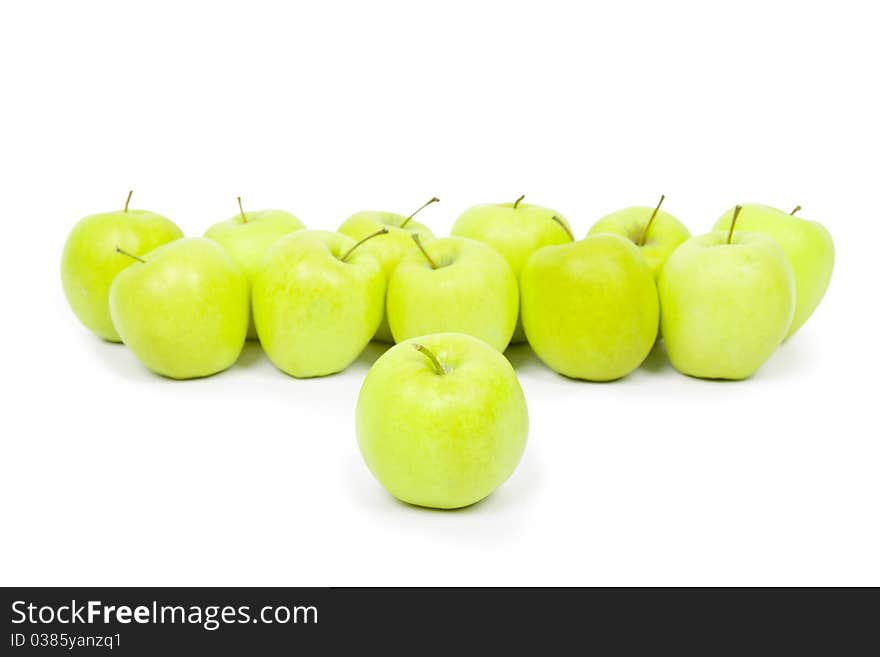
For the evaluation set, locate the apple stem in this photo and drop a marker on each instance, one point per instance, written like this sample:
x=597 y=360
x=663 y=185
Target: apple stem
x=516 y=202
x=438 y=368
x=241 y=210
x=130 y=255
x=127 y=200
x=434 y=199
x=564 y=226
x=644 y=236
x=797 y=208
x=736 y=212
x=368 y=237
x=418 y=242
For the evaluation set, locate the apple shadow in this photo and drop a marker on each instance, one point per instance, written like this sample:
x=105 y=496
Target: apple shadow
x=522 y=357
x=494 y=500
x=118 y=358
x=787 y=361
x=657 y=359
x=784 y=363
x=511 y=494
x=251 y=354
x=372 y=352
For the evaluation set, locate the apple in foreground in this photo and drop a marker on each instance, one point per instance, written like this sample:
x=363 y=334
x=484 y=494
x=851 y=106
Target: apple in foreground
x=317 y=301
x=655 y=232
x=728 y=299
x=516 y=230
x=391 y=248
x=90 y=261
x=442 y=420
x=807 y=245
x=590 y=308
x=182 y=308
x=453 y=285
x=248 y=235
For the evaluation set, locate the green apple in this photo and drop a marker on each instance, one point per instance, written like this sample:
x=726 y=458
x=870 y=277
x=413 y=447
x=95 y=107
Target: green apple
x=516 y=230
x=655 y=232
x=248 y=235
x=453 y=285
x=317 y=301
x=442 y=421
x=90 y=261
x=391 y=248
x=807 y=245
x=728 y=300
x=590 y=308
x=182 y=308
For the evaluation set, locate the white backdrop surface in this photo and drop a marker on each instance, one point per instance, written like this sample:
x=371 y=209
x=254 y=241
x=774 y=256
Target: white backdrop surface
x=110 y=475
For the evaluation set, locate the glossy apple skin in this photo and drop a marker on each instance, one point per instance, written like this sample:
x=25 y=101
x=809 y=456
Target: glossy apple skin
x=590 y=308
x=247 y=240
x=315 y=313
x=472 y=291
x=442 y=441
x=90 y=262
x=387 y=249
x=184 y=313
x=726 y=307
x=666 y=234
x=515 y=232
x=807 y=245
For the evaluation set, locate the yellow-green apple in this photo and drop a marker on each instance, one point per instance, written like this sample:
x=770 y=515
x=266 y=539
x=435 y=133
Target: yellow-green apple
x=441 y=420
x=182 y=308
x=391 y=248
x=655 y=232
x=453 y=285
x=516 y=230
x=590 y=308
x=248 y=235
x=317 y=301
x=807 y=245
x=728 y=299
x=90 y=261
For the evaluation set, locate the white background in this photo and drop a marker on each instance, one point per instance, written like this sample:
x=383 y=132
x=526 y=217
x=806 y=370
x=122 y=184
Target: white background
x=112 y=476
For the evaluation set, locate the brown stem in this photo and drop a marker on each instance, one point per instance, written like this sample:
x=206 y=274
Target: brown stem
x=130 y=255
x=736 y=212
x=644 y=236
x=797 y=208
x=438 y=368
x=564 y=226
x=418 y=242
x=368 y=237
x=434 y=199
x=241 y=210
x=516 y=202
x=127 y=200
